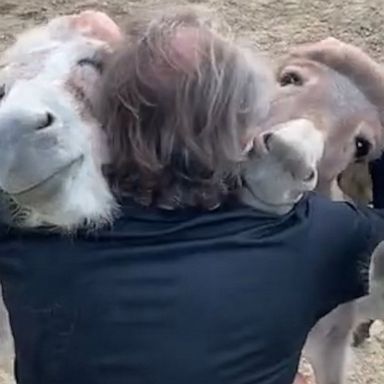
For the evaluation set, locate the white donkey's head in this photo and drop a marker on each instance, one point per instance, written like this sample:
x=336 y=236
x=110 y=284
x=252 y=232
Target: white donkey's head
x=51 y=149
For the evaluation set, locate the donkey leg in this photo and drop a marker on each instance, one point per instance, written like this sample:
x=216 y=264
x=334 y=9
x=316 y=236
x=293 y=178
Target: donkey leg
x=328 y=344
x=376 y=281
x=371 y=307
x=329 y=359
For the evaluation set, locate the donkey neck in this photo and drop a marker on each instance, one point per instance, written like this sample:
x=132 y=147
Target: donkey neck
x=332 y=190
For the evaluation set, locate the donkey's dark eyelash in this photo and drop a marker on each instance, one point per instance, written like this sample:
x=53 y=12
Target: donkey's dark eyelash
x=98 y=65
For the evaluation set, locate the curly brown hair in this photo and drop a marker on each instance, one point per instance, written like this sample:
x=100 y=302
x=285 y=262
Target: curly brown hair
x=177 y=101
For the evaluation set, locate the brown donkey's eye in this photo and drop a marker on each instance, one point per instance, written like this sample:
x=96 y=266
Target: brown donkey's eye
x=362 y=147
x=291 y=78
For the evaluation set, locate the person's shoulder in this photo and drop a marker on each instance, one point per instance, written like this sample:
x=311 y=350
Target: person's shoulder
x=227 y=219
x=344 y=218
x=324 y=206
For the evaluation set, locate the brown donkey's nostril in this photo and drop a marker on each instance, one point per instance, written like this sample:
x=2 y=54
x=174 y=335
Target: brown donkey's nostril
x=46 y=122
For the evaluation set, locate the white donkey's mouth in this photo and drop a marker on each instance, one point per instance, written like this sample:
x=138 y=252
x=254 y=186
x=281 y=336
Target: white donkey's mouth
x=51 y=184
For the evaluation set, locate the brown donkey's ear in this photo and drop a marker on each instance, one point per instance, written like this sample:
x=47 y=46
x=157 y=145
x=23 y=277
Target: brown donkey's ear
x=97 y=25
x=351 y=61
x=328 y=51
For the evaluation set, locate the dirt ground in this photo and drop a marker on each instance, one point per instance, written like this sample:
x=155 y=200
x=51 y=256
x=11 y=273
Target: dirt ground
x=272 y=25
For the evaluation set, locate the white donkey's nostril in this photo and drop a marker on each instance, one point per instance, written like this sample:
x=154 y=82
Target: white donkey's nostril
x=267 y=139
x=47 y=120
x=310 y=176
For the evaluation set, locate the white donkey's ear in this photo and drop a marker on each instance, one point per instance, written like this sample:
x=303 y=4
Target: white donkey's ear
x=97 y=25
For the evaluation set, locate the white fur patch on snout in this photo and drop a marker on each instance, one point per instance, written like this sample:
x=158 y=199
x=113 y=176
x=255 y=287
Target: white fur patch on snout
x=304 y=137
x=298 y=145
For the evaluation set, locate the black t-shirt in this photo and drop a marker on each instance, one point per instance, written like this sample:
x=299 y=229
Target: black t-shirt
x=225 y=297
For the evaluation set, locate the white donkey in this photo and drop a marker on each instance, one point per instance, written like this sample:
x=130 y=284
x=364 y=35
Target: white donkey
x=51 y=146
x=51 y=158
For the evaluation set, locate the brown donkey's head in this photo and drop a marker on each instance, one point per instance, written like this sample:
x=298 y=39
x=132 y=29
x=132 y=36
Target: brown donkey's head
x=336 y=92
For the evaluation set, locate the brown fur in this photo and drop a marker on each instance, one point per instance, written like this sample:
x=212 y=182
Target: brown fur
x=369 y=76
x=341 y=89
x=337 y=105
x=350 y=61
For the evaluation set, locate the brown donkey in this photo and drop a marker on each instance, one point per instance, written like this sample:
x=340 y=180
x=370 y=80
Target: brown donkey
x=340 y=89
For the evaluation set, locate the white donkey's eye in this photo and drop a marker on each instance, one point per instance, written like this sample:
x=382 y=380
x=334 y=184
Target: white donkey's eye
x=93 y=62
